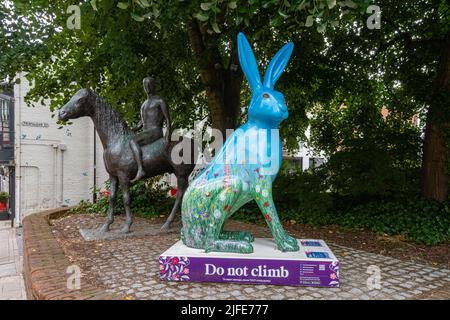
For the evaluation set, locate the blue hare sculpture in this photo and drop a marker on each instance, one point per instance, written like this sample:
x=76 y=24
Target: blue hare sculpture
x=244 y=168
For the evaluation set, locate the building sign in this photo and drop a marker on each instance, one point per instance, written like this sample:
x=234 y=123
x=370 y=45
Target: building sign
x=35 y=124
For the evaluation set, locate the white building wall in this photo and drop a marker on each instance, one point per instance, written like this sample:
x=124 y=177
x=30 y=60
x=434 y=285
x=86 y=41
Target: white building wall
x=305 y=153
x=54 y=167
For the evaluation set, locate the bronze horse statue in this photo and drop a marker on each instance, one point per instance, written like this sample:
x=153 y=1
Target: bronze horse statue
x=120 y=164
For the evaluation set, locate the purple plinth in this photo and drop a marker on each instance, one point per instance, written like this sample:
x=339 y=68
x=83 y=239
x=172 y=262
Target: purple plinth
x=313 y=265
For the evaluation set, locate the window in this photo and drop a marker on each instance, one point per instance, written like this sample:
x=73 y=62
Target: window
x=315 y=162
x=5 y=130
x=294 y=163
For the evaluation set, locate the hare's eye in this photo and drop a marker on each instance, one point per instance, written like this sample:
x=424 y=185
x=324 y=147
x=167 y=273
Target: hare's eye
x=266 y=96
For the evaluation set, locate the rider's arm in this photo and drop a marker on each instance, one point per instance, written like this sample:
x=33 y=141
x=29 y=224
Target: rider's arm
x=165 y=111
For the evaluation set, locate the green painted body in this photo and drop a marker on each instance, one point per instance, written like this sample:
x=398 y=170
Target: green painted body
x=207 y=206
x=243 y=170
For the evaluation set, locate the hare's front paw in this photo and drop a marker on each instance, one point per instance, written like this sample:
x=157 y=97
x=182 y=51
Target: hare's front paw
x=288 y=243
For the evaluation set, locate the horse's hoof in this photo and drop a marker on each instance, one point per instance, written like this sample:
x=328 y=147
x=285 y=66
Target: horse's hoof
x=165 y=227
x=125 y=229
x=104 y=228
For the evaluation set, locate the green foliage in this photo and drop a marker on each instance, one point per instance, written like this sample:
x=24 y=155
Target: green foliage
x=419 y=220
x=374 y=157
x=111 y=53
x=341 y=74
x=149 y=199
x=218 y=15
x=302 y=197
x=293 y=189
x=121 y=42
x=4 y=196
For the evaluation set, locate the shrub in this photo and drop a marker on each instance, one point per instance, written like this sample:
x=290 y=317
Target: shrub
x=293 y=190
x=302 y=196
x=149 y=198
x=419 y=220
x=4 y=196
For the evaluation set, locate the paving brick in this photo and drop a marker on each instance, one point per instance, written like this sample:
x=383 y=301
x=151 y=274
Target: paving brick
x=45 y=263
x=130 y=266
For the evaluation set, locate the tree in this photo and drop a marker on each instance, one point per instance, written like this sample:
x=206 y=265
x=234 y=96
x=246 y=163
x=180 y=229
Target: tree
x=118 y=36
x=436 y=157
x=404 y=66
x=190 y=47
x=421 y=61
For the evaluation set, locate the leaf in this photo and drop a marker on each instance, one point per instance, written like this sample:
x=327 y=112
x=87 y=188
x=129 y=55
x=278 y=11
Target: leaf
x=232 y=5
x=350 y=4
x=206 y=6
x=143 y=3
x=331 y=4
x=137 y=17
x=201 y=17
x=215 y=27
x=94 y=4
x=123 y=5
x=309 y=21
x=321 y=28
x=156 y=12
x=303 y=5
x=275 y=22
x=284 y=15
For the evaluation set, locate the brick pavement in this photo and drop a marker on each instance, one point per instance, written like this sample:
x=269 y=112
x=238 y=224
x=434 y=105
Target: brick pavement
x=129 y=268
x=46 y=266
x=11 y=281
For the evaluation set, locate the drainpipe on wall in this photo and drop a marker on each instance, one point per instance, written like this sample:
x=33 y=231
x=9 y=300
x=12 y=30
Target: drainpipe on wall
x=18 y=151
x=94 y=196
x=63 y=148
x=55 y=174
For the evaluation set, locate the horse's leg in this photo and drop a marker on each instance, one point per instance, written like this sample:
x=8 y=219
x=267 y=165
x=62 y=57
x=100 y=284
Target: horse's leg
x=112 y=199
x=182 y=184
x=126 y=203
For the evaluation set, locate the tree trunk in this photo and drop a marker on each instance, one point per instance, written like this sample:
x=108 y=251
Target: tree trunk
x=435 y=176
x=222 y=83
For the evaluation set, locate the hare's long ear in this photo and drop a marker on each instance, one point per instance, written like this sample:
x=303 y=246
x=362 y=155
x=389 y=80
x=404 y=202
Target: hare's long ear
x=277 y=65
x=248 y=62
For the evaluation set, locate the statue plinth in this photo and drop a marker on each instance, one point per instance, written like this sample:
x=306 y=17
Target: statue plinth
x=142 y=230
x=313 y=265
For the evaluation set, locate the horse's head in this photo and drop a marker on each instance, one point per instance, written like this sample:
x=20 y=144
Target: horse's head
x=78 y=106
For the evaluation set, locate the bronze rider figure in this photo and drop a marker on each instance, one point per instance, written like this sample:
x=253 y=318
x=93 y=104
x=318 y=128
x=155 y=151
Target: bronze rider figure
x=153 y=113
